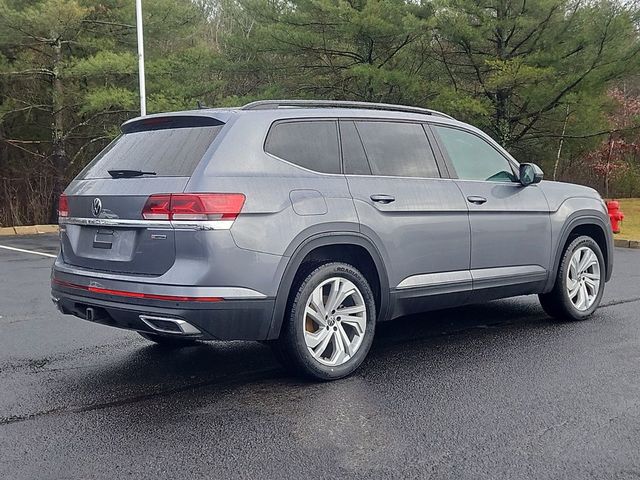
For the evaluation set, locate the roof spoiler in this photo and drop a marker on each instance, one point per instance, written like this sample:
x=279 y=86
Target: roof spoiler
x=145 y=124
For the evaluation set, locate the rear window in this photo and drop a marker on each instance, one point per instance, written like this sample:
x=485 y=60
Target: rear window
x=167 y=152
x=309 y=144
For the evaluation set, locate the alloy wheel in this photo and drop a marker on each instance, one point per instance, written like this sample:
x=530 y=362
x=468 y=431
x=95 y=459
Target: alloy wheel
x=583 y=278
x=335 y=320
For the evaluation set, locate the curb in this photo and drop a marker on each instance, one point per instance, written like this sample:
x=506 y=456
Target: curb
x=28 y=230
x=626 y=243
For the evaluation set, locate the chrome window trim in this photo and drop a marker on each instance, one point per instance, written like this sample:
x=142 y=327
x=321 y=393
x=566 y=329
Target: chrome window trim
x=142 y=223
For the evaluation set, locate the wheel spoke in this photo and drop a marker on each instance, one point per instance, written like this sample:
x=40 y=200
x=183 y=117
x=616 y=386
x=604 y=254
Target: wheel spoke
x=339 y=348
x=357 y=322
x=318 y=302
x=351 y=310
x=573 y=288
x=588 y=259
x=313 y=339
x=347 y=289
x=580 y=259
x=344 y=290
x=591 y=284
x=588 y=298
x=317 y=353
x=582 y=297
x=573 y=266
x=345 y=340
x=336 y=287
x=315 y=316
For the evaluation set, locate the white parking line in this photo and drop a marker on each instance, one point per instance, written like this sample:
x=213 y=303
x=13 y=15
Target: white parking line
x=28 y=251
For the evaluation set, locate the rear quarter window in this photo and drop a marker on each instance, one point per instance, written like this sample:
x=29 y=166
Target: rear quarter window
x=309 y=144
x=168 y=152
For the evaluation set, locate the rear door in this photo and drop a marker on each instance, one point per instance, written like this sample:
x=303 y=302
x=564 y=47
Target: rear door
x=418 y=219
x=510 y=224
x=105 y=229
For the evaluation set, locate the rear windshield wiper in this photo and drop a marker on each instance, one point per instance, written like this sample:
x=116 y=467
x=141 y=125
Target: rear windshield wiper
x=128 y=173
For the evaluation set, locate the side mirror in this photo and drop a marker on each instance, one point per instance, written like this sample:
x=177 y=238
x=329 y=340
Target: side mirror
x=530 y=173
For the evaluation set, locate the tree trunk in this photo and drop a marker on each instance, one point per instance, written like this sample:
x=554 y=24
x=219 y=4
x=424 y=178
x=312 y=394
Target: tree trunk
x=502 y=96
x=59 y=157
x=564 y=129
x=607 y=167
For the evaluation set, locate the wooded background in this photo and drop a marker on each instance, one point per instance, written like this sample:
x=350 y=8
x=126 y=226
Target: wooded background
x=555 y=81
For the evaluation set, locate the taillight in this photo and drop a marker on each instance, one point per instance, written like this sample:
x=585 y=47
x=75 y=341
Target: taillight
x=193 y=206
x=63 y=206
x=157 y=207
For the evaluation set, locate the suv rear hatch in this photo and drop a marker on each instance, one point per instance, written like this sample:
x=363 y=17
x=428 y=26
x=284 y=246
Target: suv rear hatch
x=101 y=213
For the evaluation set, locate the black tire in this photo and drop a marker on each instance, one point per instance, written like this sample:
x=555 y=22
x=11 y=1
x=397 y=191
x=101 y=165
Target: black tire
x=166 y=341
x=557 y=303
x=291 y=349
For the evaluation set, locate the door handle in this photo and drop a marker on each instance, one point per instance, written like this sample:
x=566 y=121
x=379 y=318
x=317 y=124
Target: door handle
x=384 y=199
x=477 y=200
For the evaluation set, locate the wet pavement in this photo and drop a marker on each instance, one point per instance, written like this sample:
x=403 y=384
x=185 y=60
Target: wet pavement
x=487 y=391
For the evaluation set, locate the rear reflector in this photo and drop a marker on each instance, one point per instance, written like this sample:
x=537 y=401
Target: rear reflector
x=63 y=206
x=123 y=293
x=193 y=206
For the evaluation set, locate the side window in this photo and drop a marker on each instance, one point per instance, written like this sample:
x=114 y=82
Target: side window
x=474 y=158
x=310 y=144
x=398 y=149
x=353 y=157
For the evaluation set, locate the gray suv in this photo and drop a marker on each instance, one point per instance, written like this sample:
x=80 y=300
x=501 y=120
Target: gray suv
x=304 y=223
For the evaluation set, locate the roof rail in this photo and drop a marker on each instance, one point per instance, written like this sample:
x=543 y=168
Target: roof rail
x=272 y=104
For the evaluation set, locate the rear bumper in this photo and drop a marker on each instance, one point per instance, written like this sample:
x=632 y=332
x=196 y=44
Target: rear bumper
x=222 y=319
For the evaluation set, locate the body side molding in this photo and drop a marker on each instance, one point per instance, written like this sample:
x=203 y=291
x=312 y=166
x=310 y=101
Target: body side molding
x=478 y=278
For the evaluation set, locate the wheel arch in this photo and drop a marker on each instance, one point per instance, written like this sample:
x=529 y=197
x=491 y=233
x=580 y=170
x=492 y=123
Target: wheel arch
x=586 y=224
x=327 y=242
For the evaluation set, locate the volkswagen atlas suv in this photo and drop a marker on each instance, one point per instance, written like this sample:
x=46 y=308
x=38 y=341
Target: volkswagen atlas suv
x=305 y=223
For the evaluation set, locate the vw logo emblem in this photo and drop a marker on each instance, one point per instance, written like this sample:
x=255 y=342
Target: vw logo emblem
x=96 y=207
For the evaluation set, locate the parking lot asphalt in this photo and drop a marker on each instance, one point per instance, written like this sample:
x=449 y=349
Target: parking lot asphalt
x=493 y=391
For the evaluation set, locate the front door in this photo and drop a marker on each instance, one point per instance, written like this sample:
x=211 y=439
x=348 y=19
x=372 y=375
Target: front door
x=510 y=224
x=418 y=219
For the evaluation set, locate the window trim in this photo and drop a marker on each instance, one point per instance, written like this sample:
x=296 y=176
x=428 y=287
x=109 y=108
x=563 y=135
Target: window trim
x=447 y=159
x=342 y=121
x=335 y=121
x=443 y=171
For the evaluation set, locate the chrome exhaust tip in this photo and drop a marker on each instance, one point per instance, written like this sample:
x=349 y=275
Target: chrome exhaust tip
x=172 y=326
x=56 y=302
